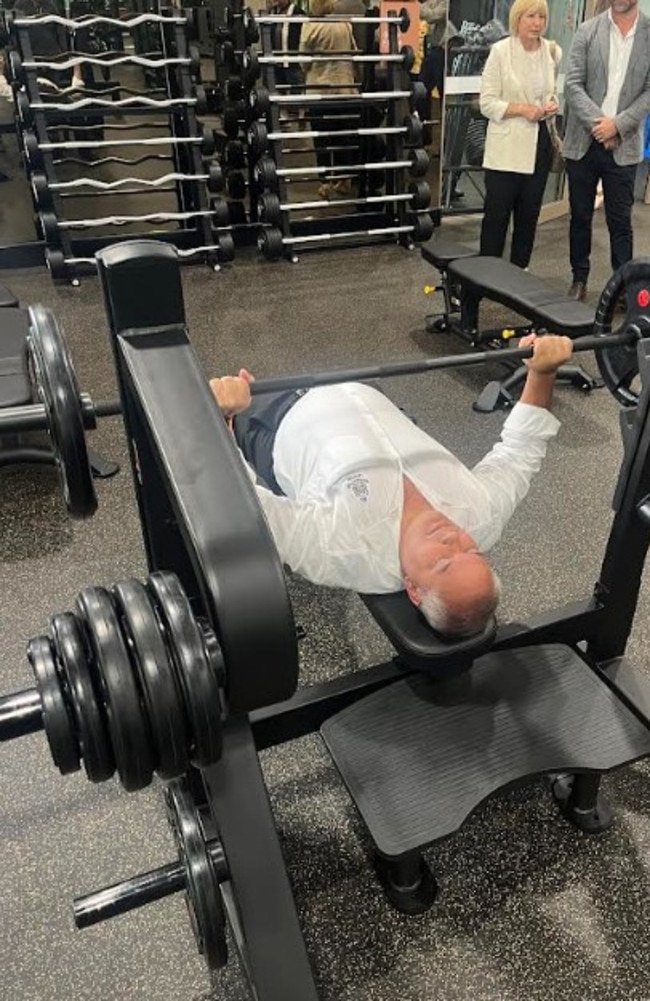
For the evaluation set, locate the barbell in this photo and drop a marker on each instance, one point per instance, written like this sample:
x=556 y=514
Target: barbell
x=217 y=253
x=65 y=413
x=131 y=681
x=272 y=243
x=261 y=99
x=402 y=20
x=259 y=136
x=252 y=62
x=43 y=188
x=266 y=173
x=89 y=21
x=270 y=209
x=34 y=149
x=51 y=225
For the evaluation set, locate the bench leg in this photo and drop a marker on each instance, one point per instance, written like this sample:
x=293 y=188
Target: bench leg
x=581 y=802
x=579 y=378
x=407 y=881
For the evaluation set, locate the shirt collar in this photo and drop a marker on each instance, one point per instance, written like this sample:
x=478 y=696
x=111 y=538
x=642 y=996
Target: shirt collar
x=632 y=30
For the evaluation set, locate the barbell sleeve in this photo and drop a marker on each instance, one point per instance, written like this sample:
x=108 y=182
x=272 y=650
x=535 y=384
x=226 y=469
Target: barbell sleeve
x=137 y=891
x=32 y=416
x=20 y=714
x=310 y=380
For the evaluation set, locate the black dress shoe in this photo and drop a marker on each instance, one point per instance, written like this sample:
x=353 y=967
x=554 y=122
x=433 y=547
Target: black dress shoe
x=578 y=291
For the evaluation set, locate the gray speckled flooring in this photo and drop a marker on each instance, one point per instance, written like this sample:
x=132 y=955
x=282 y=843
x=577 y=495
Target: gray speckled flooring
x=529 y=908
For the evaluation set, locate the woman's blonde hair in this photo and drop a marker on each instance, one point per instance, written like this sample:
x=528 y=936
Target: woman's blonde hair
x=521 y=7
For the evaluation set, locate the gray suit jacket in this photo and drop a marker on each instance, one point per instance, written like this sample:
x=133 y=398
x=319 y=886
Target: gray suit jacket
x=585 y=87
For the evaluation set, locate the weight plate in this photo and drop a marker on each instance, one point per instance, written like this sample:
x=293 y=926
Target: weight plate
x=234 y=156
x=270 y=244
x=202 y=893
x=160 y=691
x=57 y=390
x=419 y=162
x=619 y=366
x=127 y=727
x=226 y=246
x=268 y=208
x=55 y=261
x=74 y=669
x=198 y=681
x=57 y=719
x=42 y=193
x=236 y=186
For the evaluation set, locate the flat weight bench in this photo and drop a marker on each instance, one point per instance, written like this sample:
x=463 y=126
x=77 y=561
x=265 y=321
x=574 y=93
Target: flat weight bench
x=468 y=278
x=16 y=390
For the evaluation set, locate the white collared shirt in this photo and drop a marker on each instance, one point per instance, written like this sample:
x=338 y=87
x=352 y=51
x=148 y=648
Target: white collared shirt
x=340 y=456
x=620 y=49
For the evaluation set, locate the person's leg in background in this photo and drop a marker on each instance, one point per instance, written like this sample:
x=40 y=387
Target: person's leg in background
x=582 y=176
x=320 y=123
x=618 y=191
x=501 y=191
x=529 y=202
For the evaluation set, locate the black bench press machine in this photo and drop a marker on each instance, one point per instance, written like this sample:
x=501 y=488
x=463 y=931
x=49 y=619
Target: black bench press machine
x=191 y=674
x=466 y=278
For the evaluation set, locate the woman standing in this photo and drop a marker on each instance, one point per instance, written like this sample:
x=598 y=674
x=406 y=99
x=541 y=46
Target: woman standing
x=330 y=77
x=518 y=97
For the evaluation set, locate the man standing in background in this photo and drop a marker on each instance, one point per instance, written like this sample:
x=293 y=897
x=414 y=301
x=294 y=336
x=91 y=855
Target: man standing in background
x=286 y=39
x=607 y=93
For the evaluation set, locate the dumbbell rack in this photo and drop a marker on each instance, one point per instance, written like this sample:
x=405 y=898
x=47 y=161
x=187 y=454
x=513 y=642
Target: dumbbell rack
x=181 y=142
x=232 y=39
x=384 y=216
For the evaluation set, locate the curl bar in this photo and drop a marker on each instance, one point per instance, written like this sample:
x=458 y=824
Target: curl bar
x=50 y=225
x=260 y=100
x=130 y=681
x=199 y=102
x=252 y=62
x=42 y=187
x=67 y=64
x=217 y=253
x=270 y=208
x=121 y=160
x=34 y=149
x=90 y=20
x=272 y=243
x=259 y=136
x=266 y=174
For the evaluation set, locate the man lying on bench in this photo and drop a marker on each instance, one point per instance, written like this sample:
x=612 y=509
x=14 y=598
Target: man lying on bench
x=361 y=498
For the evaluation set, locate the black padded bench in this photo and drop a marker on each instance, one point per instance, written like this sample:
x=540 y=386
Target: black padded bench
x=15 y=386
x=467 y=278
x=499 y=281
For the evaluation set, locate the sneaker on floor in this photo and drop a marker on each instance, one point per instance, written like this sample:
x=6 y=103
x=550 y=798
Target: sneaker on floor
x=324 y=191
x=577 y=290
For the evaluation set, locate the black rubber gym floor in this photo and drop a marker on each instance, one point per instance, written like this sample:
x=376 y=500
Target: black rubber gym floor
x=529 y=908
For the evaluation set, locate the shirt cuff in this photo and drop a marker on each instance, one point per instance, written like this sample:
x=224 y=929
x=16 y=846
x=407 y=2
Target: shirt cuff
x=530 y=420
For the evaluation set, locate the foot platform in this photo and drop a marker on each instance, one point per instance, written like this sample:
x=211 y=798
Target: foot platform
x=419 y=756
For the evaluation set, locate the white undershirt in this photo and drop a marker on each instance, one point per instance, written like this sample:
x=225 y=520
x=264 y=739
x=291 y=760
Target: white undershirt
x=537 y=75
x=340 y=456
x=620 y=49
